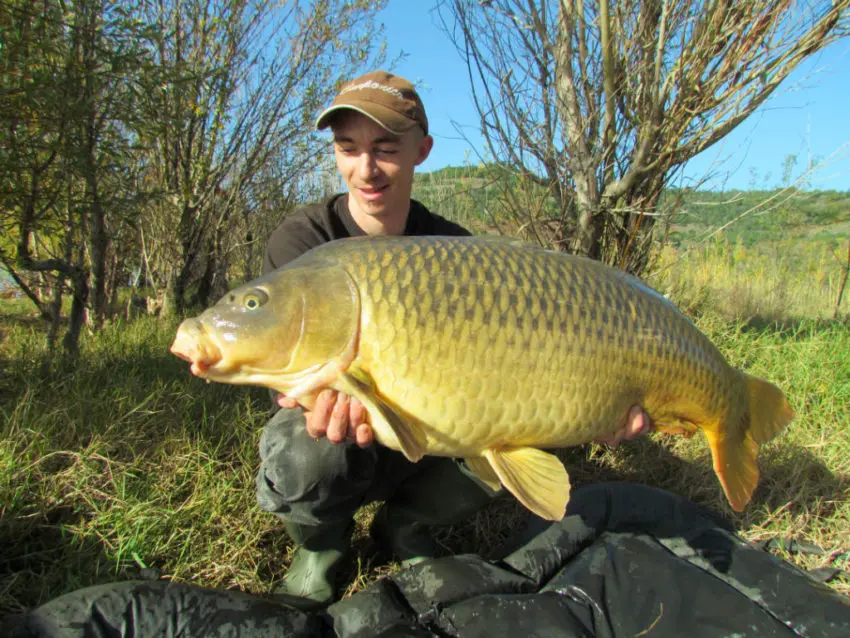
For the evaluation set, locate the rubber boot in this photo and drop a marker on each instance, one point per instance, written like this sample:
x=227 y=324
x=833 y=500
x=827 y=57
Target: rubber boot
x=312 y=573
x=442 y=494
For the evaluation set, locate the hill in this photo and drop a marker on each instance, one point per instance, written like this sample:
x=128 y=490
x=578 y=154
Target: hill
x=750 y=217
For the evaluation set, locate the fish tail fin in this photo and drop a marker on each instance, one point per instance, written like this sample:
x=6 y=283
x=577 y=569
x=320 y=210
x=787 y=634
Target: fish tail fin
x=770 y=411
x=735 y=448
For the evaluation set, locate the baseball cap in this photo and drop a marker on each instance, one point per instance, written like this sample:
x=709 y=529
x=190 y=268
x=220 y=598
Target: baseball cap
x=389 y=100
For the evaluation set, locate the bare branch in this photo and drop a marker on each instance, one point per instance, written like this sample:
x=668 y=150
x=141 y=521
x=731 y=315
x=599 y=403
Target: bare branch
x=604 y=101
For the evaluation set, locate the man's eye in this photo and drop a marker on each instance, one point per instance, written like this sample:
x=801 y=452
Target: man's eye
x=387 y=150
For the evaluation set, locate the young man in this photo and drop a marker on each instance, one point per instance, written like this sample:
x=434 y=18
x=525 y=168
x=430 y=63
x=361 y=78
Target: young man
x=380 y=134
x=312 y=475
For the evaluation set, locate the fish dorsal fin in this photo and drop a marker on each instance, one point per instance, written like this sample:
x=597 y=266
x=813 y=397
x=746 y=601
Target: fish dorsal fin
x=484 y=471
x=537 y=479
x=411 y=440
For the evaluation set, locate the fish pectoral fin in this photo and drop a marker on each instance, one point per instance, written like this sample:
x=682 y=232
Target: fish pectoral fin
x=359 y=384
x=308 y=400
x=538 y=479
x=483 y=471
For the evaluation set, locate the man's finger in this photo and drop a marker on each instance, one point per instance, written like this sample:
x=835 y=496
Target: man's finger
x=318 y=418
x=338 y=423
x=364 y=435
x=286 y=402
x=637 y=423
x=356 y=414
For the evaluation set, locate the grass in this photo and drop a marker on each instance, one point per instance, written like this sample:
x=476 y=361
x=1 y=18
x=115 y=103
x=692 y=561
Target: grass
x=127 y=463
x=776 y=280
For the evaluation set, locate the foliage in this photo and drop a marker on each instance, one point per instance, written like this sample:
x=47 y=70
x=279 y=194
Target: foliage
x=154 y=141
x=599 y=102
x=234 y=89
x=66 y=153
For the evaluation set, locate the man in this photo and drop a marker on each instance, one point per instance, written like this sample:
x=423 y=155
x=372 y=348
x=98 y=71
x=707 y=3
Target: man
x=312 y=475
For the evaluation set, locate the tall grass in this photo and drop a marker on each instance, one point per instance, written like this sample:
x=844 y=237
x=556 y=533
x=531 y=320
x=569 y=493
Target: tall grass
x=127 y=463
x=122 y=463
x=773 y=280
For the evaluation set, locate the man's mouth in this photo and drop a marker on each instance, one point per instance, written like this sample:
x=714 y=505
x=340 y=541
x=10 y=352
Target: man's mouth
x=373 y=192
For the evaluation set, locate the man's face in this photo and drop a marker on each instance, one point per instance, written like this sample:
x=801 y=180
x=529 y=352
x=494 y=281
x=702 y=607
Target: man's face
x=377 y=165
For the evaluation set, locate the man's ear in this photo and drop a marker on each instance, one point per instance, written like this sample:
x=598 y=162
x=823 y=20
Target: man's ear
x=425 y=146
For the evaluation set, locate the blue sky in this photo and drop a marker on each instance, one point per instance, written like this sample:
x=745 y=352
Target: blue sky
x=809 y=113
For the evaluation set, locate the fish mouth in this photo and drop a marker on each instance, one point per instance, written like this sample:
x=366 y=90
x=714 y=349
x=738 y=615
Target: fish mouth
x=193 y=344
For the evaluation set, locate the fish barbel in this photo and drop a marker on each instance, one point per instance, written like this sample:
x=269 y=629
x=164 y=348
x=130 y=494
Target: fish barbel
x=486 y=349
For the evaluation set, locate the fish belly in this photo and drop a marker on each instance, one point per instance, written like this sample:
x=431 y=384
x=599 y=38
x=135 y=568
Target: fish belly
x=483 y=345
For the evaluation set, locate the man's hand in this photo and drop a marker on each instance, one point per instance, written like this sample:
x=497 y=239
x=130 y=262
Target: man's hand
x=337 y=416
x=342 y=418
x=637 y=424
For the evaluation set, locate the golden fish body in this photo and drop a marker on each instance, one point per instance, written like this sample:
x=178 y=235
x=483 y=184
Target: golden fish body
x=490 y=350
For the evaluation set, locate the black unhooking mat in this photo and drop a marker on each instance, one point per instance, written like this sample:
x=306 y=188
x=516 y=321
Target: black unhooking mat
x=627 y=560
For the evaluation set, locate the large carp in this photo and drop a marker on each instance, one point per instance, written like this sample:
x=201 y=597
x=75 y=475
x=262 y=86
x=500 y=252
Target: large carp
x=486 y=349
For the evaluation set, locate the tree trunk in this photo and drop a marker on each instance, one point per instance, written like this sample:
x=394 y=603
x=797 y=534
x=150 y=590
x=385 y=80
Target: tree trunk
x=843 y=284
x=213 y=284
x=77 y=317
x=56 y=309
x=587 y=240
x=99 y=247
x=115 y=275
x=205 y=284
x=98 y=237
x=220 y=264
x=172 y=302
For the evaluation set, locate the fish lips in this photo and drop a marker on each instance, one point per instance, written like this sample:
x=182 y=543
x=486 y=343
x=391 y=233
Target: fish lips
x=194 y=344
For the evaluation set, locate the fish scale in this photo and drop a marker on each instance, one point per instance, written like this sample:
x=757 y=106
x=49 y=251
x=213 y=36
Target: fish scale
x=513 y=341
x=490 y=350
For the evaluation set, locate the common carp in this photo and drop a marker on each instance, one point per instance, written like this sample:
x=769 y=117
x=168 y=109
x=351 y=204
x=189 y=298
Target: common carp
x=486 y=349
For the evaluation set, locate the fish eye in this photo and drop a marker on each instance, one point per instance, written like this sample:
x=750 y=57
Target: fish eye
x=254 y=299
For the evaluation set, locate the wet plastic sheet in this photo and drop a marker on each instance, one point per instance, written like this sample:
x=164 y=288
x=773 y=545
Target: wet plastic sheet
x=626 y=561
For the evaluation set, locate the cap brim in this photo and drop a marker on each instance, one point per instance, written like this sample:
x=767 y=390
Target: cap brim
x=384 y=117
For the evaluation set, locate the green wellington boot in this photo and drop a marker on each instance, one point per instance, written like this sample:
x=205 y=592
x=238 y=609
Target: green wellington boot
x=443 y=494
x=312 y=573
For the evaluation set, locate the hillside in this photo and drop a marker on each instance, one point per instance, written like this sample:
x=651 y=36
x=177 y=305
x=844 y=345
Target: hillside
x=464 y=193
x=751 y=217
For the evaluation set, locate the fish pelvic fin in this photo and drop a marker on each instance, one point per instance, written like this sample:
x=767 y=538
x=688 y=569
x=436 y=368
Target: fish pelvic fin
x=735 y=449
x=483 y=471
x=537 y=479
x=383 y=416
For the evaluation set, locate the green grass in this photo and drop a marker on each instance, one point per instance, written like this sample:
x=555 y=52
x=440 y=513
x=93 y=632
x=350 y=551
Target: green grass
x=128 y=462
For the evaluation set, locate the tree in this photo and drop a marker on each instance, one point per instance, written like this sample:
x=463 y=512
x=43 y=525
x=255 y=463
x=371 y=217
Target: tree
x=600 y=102
x=64 y=151
x=234 y=86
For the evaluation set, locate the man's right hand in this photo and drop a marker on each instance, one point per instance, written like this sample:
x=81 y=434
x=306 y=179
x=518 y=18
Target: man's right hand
x=335 y=415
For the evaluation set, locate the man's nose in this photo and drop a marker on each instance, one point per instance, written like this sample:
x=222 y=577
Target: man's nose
x=367 y=167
